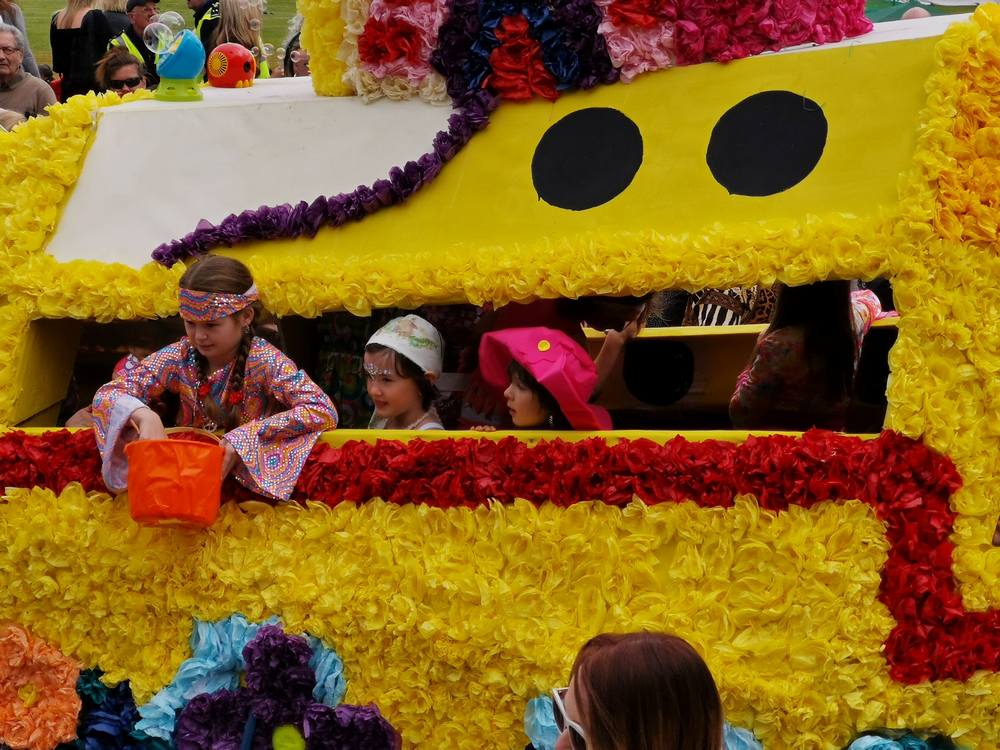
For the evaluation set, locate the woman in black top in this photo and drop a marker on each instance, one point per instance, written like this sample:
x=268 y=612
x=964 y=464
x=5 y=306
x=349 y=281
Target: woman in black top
x=79 y=36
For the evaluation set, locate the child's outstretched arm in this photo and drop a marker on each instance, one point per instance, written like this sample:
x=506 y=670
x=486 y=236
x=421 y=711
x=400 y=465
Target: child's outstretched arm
x=274 y=449
x=121 y=410
x=611 y=351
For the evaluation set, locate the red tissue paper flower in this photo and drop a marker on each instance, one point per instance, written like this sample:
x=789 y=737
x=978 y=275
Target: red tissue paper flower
x=642 y=13
x=518 y=69
x=51 y=460
x=389 y=39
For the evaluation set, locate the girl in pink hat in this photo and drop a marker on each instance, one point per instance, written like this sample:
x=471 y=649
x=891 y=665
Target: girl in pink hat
x=548 y=377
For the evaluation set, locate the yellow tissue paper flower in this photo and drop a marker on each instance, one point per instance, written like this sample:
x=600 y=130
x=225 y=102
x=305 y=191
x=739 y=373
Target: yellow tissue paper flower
x=322 y=35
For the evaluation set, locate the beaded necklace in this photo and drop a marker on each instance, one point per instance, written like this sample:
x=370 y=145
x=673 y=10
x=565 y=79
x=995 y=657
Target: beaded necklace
x=203 y=390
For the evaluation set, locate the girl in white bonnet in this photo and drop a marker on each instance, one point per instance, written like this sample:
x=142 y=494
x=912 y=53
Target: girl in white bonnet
x=402 y=362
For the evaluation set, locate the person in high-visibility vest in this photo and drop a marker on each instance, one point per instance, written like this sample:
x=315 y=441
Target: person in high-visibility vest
x=206 y=19
x=140 y=15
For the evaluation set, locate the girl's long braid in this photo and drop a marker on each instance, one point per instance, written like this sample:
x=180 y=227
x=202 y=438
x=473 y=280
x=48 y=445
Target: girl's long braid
x=236 y=379
x=227 y=416
x=211 y=407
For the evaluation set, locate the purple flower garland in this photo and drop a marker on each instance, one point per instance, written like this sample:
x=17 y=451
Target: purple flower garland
x=305 y=219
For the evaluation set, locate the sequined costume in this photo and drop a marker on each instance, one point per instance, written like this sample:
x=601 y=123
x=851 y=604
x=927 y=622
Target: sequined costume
x=283 y=413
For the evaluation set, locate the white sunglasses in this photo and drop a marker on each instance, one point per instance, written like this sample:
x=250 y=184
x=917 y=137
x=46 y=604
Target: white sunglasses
x=577 y=737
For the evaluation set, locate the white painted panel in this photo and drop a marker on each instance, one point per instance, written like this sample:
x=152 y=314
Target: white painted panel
x=156 y=168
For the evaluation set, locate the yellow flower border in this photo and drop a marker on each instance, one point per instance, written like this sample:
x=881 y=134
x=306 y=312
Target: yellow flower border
x=14 y=321
x=946 y=269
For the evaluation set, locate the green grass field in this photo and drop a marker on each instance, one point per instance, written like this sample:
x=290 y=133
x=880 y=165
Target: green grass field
x=37 y=14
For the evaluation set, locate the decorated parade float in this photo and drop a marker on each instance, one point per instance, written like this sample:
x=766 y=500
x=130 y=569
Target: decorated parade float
x=473 y=151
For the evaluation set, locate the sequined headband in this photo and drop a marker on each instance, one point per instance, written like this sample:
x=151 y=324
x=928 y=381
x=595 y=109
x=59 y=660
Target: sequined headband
x=202 y=307
x=376 y=371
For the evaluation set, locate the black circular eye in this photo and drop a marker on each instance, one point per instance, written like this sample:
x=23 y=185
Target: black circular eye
x=767 y=143
x=587 y=158
x=246 y=66
x=666 y=383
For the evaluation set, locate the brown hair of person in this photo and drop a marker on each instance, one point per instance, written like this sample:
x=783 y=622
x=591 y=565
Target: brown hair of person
x=217 y=273
x=556 y=419
x=239 y=23
x=114 y=60
x=823 y=311
x=646 y=691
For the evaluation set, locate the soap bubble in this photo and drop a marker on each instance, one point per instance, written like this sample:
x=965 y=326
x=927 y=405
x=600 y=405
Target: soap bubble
x=172 y=20
x=296 y=56
x=280 y=53
x=255 y=24
x=267 y=50
x=255 y=51
x=157 y=37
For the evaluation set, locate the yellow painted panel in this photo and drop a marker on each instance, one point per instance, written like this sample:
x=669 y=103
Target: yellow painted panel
x=45 y=369
x=870 y=94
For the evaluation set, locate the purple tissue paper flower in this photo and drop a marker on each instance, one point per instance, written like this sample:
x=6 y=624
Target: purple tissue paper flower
x=213 y=720
x=279 y=680
x=348 y=728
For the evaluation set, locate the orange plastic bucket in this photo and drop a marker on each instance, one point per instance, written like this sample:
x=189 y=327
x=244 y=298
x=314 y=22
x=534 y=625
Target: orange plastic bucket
x=174 y=482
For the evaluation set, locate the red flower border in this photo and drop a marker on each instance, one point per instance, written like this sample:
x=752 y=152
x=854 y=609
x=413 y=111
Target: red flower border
x=907 y=484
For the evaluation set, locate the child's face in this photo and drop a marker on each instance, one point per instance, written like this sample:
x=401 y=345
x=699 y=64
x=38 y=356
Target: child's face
x=525 y=407
x=217 y=340
x=392 y=394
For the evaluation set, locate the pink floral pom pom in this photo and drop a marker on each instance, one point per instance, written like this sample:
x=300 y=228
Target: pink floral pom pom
x=637 y=42
x=399 y=37
x=647 y=35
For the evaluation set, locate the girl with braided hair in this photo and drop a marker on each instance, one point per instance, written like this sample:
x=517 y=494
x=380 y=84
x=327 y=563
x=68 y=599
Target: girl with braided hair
x=226 y=379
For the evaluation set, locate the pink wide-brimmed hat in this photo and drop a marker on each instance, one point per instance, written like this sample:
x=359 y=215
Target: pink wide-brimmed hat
x=558 y=363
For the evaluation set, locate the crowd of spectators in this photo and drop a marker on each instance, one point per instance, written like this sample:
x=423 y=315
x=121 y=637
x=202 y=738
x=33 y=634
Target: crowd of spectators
x=98 y=45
